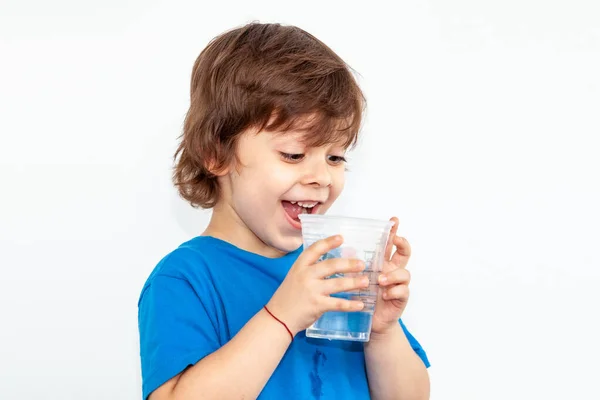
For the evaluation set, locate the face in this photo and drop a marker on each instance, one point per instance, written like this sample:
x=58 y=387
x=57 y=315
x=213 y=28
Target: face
x=277 y=178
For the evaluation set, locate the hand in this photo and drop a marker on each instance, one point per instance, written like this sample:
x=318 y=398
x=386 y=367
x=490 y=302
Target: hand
x=394 y=280
x=304 y=295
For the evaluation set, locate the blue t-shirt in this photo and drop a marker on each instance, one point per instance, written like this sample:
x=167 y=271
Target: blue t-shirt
x=200 y=295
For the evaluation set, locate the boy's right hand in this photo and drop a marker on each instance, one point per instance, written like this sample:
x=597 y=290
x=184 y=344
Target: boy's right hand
x=304 y=295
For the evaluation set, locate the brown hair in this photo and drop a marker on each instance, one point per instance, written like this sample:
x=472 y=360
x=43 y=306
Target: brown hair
x=267 y=76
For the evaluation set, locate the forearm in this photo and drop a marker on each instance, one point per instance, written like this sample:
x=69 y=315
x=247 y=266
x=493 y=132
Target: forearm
x=241 y=368
x=394 y=370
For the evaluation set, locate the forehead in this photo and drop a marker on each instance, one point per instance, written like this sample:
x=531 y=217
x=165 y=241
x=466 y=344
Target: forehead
x=305 y=139
x=315 y=132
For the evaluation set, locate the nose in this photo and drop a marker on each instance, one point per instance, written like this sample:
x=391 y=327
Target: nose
x=317 y=174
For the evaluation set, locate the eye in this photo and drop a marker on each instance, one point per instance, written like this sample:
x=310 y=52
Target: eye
x=336 y=160
x=292 y=157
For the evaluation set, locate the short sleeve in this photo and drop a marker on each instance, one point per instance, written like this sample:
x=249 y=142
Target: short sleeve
x=176 y=330
x=416 y=346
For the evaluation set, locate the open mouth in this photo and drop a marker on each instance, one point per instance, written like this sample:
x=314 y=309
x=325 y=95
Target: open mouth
x=294 y=209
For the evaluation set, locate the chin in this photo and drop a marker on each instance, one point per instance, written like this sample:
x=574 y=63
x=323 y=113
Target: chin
x=287 y=244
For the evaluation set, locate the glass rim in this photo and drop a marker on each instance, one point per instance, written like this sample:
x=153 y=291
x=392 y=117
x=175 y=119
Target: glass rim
x=356 y=221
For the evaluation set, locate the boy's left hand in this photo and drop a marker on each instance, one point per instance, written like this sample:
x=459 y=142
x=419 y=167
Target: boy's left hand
x=393 y=282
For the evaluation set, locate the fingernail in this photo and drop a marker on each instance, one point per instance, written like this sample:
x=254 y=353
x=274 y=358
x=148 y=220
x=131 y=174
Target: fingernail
x=365 y=281
x=383 y=279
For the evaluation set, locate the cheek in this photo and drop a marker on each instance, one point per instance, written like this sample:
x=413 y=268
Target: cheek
x=339 y=180
x=277 y=180
x=261 y=187
x=337 y=186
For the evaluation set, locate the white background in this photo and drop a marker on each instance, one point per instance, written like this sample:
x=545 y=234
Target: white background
x=480 y=137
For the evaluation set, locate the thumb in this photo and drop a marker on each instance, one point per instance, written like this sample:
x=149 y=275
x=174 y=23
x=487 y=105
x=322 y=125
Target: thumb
x=390 y=242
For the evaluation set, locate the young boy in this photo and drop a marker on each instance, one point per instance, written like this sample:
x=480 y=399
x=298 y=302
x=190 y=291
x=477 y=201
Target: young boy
x=273 y=111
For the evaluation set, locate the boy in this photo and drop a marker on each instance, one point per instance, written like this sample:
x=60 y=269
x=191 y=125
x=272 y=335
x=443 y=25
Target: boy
x=273 y=111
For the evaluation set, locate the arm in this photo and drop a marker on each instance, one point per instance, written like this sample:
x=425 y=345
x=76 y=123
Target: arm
x=394 y=370
x=241 y=368
x=238 y=370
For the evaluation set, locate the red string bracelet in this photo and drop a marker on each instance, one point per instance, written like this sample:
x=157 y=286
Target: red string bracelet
x=280 y=321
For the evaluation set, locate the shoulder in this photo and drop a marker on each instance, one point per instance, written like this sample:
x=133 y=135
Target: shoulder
x=188 y=262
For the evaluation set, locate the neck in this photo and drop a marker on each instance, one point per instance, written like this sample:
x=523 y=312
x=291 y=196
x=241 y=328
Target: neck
x=226 y=225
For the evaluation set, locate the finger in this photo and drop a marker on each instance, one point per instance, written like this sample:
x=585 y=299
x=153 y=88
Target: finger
x=397 y=292
x=312 y=254
x=345 y=284
x=390 y=245
x=338 y=304
x=338 y=266
x=395 y=277
x=402 y=253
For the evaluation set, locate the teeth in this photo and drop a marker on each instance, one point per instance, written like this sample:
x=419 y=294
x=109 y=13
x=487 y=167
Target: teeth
x=307 y=205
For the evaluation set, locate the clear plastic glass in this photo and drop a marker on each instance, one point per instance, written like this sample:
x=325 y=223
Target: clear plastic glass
x=364 y=239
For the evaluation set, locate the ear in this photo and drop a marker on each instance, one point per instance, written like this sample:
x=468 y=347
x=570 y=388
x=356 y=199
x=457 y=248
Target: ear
x=217 y=170
x=222 y=161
